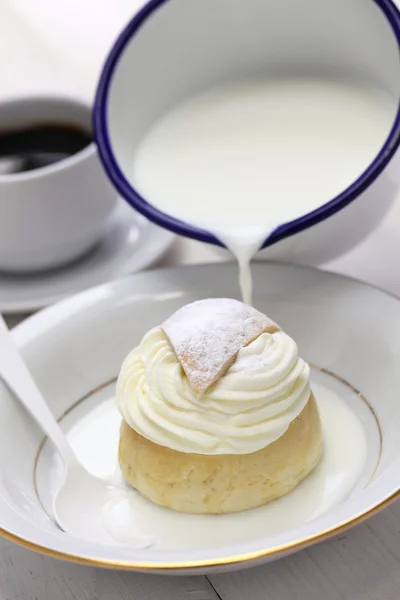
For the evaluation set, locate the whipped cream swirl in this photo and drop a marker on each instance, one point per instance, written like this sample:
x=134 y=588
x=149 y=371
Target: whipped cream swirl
x=248 y=408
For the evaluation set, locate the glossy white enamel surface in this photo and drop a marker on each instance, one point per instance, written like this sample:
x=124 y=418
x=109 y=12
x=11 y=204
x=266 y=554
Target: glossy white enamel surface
x=342 y=40
x=344 y=326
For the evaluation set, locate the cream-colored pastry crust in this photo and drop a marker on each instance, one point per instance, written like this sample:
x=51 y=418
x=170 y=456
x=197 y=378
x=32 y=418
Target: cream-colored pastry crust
x=225 y=483
x=207 y=335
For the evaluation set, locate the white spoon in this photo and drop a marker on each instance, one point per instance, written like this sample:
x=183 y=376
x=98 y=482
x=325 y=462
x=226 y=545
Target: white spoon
x=79 y=504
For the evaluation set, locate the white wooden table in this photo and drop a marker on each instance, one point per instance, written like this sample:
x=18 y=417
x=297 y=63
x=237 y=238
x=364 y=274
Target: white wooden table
x=361 y=565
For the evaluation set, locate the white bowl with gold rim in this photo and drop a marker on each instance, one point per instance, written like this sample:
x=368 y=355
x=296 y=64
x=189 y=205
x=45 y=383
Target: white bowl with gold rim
x=347 y=330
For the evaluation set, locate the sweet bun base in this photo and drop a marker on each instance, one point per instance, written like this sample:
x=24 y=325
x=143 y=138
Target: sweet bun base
x=216 y=484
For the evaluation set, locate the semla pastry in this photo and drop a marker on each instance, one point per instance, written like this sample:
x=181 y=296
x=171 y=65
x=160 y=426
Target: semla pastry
x=218 y=414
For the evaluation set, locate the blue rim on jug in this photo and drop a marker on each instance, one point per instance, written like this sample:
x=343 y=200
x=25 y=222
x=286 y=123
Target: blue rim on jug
x=166 y=221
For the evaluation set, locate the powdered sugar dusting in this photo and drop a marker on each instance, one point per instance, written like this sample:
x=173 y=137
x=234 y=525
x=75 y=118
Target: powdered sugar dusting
x=253 y=363
x=207 y=335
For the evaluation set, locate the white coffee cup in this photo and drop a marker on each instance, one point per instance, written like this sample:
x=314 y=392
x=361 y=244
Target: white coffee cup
x=54 y=214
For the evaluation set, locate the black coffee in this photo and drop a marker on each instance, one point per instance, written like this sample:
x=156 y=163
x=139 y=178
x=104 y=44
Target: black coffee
x=39 y=146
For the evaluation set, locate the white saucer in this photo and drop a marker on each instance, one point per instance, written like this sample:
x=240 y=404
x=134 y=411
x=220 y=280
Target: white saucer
x=348 y=330
x=129 y=244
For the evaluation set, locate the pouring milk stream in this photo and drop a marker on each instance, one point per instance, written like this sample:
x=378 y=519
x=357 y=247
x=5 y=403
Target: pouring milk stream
x=241 y=159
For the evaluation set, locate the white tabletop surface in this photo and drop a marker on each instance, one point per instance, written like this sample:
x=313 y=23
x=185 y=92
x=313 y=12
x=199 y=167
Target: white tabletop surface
x=58 y=46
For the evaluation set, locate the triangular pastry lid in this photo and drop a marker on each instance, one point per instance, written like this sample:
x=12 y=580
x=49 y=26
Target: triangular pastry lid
x=207 y=335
